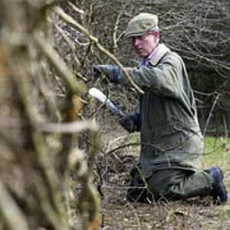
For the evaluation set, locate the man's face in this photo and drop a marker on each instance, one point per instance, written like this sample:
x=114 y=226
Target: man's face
x=145 y=44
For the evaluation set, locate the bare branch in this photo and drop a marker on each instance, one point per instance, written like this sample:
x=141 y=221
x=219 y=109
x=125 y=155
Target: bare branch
x=74 y=23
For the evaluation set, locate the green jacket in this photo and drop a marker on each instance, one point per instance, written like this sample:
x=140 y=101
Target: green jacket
x=170 y=133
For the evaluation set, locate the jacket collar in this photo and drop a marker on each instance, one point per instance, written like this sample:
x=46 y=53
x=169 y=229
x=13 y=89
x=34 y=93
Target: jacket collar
x=159 y=52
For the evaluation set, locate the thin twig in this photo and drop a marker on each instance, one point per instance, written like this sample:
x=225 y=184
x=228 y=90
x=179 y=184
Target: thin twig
x=75 y=8
x=211 y=112
x=70 y=44
x=115 y=31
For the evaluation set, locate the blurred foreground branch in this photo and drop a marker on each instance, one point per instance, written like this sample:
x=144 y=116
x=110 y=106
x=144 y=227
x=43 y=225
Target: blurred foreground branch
x=36 y=159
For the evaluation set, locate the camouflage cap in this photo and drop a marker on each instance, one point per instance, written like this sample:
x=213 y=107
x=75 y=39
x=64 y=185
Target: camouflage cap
x=140 y=24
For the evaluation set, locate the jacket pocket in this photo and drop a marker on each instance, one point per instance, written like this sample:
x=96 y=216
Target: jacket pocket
x=173 y=141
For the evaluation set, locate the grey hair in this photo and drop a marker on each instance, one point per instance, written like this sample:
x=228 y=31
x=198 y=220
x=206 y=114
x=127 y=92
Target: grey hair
x=155 y=28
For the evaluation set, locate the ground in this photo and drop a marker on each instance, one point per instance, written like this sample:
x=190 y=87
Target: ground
x=119 y=214
x=194 y=214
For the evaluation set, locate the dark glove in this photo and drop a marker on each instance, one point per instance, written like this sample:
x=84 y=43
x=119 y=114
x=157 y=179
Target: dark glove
x=111 y=71
x=130 y=122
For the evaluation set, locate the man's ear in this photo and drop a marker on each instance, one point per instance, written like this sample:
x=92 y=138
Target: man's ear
x=156 y=34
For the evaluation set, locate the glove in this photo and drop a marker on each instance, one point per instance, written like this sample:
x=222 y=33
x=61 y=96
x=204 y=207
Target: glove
x=111 y=71
x=130 y=122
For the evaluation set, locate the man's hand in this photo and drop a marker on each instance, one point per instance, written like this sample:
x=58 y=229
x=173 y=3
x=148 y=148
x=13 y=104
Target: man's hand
x=129 y=123
x=97 y=70
x=111 y=71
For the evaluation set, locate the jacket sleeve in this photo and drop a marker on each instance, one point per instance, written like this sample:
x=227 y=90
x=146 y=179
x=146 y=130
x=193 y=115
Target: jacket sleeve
x=164 y=79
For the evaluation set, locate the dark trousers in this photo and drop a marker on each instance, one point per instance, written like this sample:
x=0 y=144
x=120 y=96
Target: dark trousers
x=169 y=184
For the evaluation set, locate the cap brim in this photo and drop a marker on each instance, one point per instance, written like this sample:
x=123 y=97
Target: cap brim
x=137 y=34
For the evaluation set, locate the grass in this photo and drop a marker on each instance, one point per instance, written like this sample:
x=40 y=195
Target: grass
x=216 y=152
